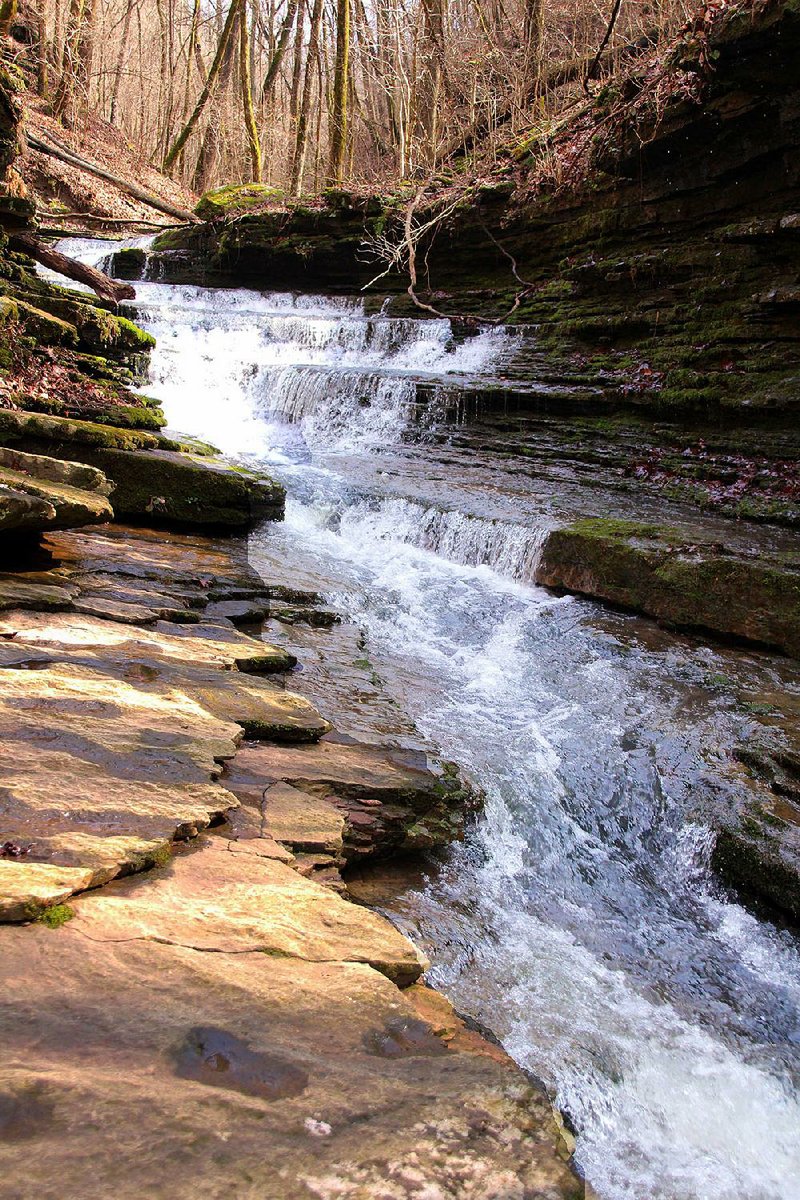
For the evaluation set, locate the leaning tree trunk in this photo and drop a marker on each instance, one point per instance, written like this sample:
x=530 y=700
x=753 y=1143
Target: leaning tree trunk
x=106 y=289
x=208 y=156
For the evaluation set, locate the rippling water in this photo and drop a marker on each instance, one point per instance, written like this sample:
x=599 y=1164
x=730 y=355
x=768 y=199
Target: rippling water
x=579 y=920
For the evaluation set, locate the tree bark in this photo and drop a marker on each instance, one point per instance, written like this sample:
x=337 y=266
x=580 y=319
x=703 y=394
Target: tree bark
x=106 y=289
x=298 y=164
x=253 y=143
x=121 y=52
x=280 y=50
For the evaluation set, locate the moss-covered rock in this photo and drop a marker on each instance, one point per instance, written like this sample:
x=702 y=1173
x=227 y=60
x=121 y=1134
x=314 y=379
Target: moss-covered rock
x=26 y=429
x=653 y=570
x=235 y=198
x=129 y=263
x=46 y=329
x=165 y=487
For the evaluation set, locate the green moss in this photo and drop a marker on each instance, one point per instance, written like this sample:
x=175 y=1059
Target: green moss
x=55 y=916
x=235 y=198
x=131 y=416
x=605 y=527
x=19 y=426
x=149 y=859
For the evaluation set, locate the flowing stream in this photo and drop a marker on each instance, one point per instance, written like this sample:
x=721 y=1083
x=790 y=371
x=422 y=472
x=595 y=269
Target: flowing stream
x=579 y=920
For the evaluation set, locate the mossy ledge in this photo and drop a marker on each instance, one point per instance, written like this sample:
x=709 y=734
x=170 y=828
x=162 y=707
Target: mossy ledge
x=654 y=570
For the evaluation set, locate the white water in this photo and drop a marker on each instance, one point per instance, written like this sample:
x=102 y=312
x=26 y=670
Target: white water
x=579 y=921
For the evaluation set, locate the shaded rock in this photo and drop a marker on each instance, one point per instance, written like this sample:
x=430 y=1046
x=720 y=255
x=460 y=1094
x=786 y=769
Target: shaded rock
x=241 y=612
x=320 y=618
x=47 y=329
x=115 y=610
x=74 y=474
x=21 y=592
x=70 y=506
x=171 y=487
x=20 y=511
x=37 y=492
x=59 y=433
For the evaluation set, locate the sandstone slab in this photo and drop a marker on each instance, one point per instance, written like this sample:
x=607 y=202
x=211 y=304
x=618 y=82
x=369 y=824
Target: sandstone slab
x=99 y=776
x=139 y=1068
x=208 y=646
x=389 y=800
x=209 y=899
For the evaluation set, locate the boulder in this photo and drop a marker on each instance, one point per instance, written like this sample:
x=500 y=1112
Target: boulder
x=235 y=198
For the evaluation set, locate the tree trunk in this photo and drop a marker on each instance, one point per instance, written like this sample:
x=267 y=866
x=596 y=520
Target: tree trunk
x=106 y=289
x=280 y=49
x=120 y=63
x=208 y=156
x=298 y=164
x=131 y=189
x=341 y=86
x=253 y=143
x=65 y=92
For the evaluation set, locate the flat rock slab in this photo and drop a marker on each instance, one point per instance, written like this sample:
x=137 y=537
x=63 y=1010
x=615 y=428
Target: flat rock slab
x=99 y=775
x=139 y=1068
x=348 y=769
x=302 y=821
x=390 y=803
x=208 y=646
x=24 y=592
x=210 y=899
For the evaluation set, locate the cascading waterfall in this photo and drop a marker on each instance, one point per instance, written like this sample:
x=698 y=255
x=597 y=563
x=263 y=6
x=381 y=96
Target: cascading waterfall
x=511 y=550
x=579 y=921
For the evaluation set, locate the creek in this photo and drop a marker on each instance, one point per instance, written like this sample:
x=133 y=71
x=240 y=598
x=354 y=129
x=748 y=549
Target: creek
x=579 y=921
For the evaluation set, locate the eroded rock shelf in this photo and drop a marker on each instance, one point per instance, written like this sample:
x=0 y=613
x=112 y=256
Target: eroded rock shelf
x=186 y=990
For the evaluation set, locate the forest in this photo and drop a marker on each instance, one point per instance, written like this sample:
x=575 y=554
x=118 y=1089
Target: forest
x=303 y=94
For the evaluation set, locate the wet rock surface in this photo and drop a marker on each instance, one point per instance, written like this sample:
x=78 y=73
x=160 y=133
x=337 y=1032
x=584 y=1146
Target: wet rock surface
x=195 y=1010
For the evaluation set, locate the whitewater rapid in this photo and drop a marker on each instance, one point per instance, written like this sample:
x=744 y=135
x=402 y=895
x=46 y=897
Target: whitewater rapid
x=579 y=921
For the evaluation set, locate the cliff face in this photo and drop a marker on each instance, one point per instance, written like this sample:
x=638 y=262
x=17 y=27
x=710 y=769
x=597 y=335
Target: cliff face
x=671 y=272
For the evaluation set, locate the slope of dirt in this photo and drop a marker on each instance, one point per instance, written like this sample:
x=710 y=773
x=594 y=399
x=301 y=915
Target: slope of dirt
x=70 y=198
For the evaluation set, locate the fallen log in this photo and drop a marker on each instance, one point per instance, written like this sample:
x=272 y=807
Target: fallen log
x=130 y=189
x=106 y=289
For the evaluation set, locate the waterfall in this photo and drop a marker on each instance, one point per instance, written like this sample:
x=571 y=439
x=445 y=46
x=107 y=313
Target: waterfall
x=511 y=550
